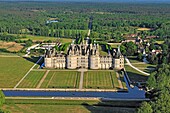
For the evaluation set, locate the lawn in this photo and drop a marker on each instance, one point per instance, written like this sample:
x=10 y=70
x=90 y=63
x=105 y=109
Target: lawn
x=100 y=80
x=145 y=67
x=32 y=79
x=12 y=69
x=160 y=42
x=134 y=75
x=134 y=60
x=65 y=106
x=61 y=79
x=114 y=45
x=5 y=54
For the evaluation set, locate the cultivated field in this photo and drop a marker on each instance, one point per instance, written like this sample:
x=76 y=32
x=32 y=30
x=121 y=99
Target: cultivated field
x=12 y=69
x=61 y=79
x=11 y=46
x=100 y=80
x=32 y=79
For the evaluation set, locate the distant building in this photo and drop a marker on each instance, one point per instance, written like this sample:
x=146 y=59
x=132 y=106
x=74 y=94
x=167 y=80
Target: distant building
x=51 y=21
x=84 y=55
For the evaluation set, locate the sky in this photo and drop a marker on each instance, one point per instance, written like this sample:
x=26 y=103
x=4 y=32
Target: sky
x=152 y=1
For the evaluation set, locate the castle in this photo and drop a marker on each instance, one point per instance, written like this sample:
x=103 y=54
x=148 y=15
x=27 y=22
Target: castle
x=84 y=55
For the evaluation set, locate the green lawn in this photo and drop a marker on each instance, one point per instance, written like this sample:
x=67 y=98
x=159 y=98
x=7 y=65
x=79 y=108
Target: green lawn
x=160 y=42
x=62 y=79
x=47 y=79
x=66 y=106
x=114 y=45
x=134 y=60
x=100 y=80
x=8 y=54
x=144 y=67
x=122 y=80
x=32 y=79
x=135 y=75
x=12 y=69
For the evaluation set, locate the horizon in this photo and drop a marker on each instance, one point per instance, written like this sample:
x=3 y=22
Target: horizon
x=110 y=1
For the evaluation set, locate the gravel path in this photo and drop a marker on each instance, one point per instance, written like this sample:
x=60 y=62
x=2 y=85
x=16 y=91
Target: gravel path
x=128 y=63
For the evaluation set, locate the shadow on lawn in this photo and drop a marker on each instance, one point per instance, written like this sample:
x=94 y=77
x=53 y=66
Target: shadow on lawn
x=113 y=107
x=135 y=77
x=34 y=59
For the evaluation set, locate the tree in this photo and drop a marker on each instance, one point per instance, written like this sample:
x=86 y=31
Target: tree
x=128 y=48
x=28 y=42
x=123 y=49
x=140 y=56
x=2 y=98
x=159 y=84
x=2 y=101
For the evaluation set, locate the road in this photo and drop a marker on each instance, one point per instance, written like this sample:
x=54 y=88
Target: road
x=42 y=80
x=128 y=63
x=81 y=78
x=32 y=47
x=90 y=26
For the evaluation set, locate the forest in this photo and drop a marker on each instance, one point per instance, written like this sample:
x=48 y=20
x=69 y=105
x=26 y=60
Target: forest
x=111 y=21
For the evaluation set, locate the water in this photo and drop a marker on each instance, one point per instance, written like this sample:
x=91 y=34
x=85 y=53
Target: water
x=122 y=95
x=133 y=93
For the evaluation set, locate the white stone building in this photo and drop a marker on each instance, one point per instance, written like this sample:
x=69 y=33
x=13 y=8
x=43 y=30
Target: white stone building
x=84 y=55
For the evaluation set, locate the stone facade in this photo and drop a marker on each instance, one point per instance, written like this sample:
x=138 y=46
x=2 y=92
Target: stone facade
x=83 y=56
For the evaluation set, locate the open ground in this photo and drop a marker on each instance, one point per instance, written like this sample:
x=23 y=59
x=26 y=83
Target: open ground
x=68 y=106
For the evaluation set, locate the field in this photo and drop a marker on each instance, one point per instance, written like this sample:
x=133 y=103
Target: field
x=11 y=46
x=144 y=29
x=32 y=79
x=12 y=69
x=66 y=106
x=135 y=75
x=101 y=80
x=61 y=79
x=44 y=38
